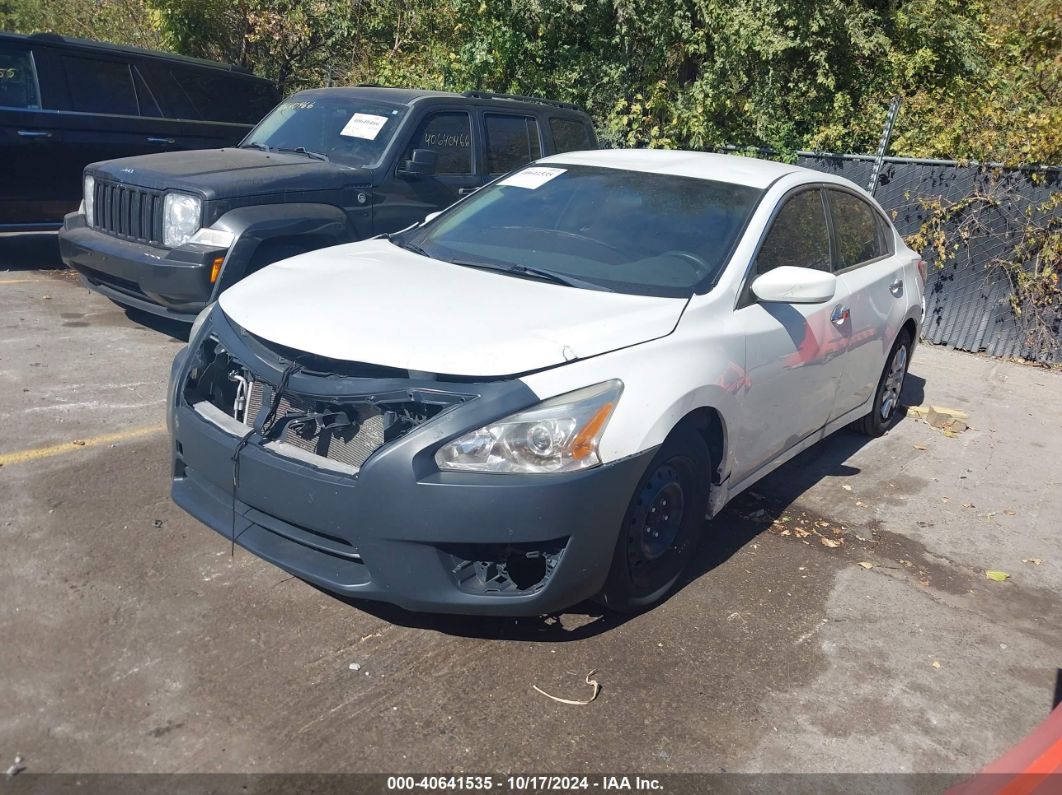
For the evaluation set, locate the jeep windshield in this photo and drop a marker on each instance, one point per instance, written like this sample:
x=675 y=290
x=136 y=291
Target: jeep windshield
x=351 y=132
x=624 y=231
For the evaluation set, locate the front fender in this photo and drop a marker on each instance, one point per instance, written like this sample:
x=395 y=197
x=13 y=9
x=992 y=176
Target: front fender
x=319 y=225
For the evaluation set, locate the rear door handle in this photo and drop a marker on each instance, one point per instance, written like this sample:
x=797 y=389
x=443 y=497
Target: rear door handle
x=160 y=140
x=896 y=288
x=34 y=134
x=840 y=315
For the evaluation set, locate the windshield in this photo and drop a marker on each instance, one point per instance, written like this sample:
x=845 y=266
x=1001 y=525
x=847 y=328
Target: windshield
x=353 y=132
x=627 y=231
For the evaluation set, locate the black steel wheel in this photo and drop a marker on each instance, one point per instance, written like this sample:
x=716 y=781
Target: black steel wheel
x=662 y=525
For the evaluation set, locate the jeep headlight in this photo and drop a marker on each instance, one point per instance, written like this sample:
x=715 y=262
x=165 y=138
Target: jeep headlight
x=90 y=200
x=558 y=435
x=180 y=218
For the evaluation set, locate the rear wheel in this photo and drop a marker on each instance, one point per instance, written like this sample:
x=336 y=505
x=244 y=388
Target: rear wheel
x=662 y=525
x=887 y=396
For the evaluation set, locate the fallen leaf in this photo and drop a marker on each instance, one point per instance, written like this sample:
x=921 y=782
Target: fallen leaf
x=1033 y=561
x=1009 y=513
x=997 y=576
x=829 y=542
x=865 y=564
x=846 y=487
x=592 y=682
x=920 y=447
x=78 y=442
x=860 y=504
x=936 y=663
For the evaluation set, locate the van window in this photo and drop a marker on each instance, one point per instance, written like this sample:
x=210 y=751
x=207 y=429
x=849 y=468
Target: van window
x=208 y=94
x=798 y=236
x=18 y=84
x=570 y=135
x=512 y=141
x=449 y=134
x=856 y=226
x=99 y=86
x=148 y=105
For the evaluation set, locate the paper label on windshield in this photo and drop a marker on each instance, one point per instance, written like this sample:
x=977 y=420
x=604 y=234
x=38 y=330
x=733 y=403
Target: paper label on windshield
x=364 y=125
x=532 y=178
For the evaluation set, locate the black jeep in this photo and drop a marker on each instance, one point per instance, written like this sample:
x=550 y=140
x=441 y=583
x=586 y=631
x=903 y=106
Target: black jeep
x=167 y=233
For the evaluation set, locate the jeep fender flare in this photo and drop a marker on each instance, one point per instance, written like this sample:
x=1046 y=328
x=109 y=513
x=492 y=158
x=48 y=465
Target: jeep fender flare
x=318 y=224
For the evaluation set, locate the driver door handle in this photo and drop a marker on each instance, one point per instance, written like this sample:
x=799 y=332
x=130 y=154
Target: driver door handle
x=840 y=315
x=34 y=134
x=152 y=140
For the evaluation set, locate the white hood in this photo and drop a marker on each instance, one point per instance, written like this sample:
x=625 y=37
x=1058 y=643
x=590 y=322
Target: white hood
x=377 y=303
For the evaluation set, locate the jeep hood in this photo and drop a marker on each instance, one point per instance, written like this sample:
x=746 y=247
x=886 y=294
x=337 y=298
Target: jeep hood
x=377 y=303
x=230 y=173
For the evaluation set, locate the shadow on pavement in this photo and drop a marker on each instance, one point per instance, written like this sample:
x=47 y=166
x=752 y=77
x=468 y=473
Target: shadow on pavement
x=164 y=325
x=30 y=251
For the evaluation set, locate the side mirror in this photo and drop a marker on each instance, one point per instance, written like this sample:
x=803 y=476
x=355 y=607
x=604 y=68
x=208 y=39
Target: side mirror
x=421 y=164
x=789 y=285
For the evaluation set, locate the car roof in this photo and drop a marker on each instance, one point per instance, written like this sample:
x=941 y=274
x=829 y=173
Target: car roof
x=702 y=165
x=407 y=96
x=54 y=39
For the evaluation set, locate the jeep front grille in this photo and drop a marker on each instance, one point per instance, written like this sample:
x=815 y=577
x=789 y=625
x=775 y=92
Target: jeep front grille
x=128 y=212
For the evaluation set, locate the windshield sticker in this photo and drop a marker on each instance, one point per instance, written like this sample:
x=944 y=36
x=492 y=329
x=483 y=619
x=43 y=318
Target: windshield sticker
x=364 y=125
x=532 y=178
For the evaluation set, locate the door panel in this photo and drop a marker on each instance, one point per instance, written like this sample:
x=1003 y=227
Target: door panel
x=794 y=353
x=29 y=145
x=401 y=201
x=873 y=279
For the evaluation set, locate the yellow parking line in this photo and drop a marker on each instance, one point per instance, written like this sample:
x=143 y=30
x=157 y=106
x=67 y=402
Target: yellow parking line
x=21 y=456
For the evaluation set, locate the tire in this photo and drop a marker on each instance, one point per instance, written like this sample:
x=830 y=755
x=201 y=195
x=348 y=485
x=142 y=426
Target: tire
x=655 y=546
x=884 y=411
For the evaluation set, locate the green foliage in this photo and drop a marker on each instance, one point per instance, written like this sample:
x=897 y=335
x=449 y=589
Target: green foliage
x=981 y=79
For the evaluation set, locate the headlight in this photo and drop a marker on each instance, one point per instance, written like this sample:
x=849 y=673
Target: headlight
x=180 y=218
x=90 y=200
x=199 y=322
x=558 y=435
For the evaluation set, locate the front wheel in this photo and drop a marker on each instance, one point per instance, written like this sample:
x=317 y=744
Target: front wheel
x=887 y=395
x=662 y=525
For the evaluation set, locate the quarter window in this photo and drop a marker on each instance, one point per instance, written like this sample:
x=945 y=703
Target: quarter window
x=798 y=236
x=449 y=135
x=98 y=86
x=18 y=86
x=512 y=141
x=569 y=136
x=856 y=226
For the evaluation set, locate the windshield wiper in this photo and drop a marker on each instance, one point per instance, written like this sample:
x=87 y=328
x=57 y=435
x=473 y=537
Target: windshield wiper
x=533 y=273
x=393 y=239
x=254 y=145
x=301 y=150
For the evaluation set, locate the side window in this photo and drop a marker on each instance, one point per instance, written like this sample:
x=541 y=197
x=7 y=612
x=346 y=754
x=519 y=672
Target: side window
x=512 y=141
x=98 y=86
x=18 y=84
x=165 y=88
x=449 y=135
x=857 y=229
x=798 y=236
x=569 y=135
x=148 y=105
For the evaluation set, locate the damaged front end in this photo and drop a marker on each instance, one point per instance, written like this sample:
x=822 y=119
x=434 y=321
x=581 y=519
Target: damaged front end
x=349 y=412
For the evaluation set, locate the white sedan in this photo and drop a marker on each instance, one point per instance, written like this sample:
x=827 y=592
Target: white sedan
x=538 y=395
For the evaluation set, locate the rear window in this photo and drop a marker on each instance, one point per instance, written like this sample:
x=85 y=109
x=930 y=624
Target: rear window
x=512 y=141
x=18 y=85
x=570 y=135
x=100 y=86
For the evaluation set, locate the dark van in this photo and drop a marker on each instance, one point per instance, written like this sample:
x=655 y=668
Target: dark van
x=65 y=103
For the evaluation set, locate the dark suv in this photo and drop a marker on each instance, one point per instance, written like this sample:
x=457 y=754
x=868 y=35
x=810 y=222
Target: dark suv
x=168 y=233
x=65 y=103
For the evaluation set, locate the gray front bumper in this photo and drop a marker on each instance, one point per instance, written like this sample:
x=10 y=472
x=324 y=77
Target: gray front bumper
x=390 y=532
